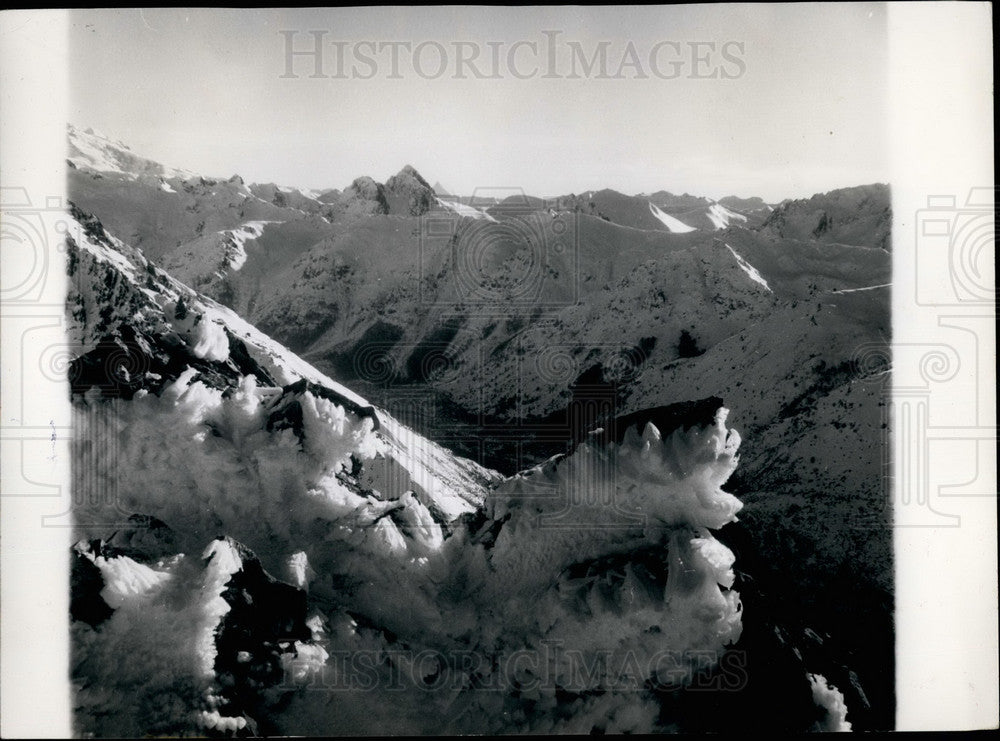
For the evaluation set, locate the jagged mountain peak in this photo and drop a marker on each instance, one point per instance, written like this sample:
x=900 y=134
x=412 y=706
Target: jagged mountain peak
x=407 y=193
x=406 y=173
x=442 y=191
x=91 y=134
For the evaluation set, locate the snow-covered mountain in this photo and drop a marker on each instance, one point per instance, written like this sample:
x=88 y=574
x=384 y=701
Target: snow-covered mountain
x=506 y=335
x=92 y=150
x=210 y=457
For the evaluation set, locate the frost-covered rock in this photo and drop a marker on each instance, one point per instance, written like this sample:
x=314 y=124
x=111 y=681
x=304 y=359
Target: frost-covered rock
x=831 y=700
x=165 y=660
x=207 y=338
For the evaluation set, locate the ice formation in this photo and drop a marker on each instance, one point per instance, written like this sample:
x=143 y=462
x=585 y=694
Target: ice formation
x=831 y=700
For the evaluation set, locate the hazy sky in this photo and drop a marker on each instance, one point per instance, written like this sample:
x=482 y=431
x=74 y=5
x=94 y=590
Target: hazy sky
x=776 y=101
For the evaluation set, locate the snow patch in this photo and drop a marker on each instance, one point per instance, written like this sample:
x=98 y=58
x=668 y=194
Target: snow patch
x=237 y=238
x=311 y=193
x=110 y=255
x=865 y=288
x=463 y=210
x=282 y=364
x=676 y=226
x=722 y=217
x=749 y=269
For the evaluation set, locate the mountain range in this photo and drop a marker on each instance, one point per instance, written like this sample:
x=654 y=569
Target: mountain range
x=485 y=338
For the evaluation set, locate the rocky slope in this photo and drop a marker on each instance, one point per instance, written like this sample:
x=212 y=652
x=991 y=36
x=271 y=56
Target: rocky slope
x=858 y=216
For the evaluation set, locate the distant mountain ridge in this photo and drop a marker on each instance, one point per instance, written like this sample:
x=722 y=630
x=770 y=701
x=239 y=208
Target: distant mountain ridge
x=856 y=215
x=859 y=215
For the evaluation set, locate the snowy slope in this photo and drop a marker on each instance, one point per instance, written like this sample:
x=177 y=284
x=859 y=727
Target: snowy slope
x=463 y=210
x=674 y=225
x=722 y=217
x=749 y=269
x=92 y=150
x=208 y=329
x=238 y=238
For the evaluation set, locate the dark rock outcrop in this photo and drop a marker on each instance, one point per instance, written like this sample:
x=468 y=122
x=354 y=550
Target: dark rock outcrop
x=408 y=194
